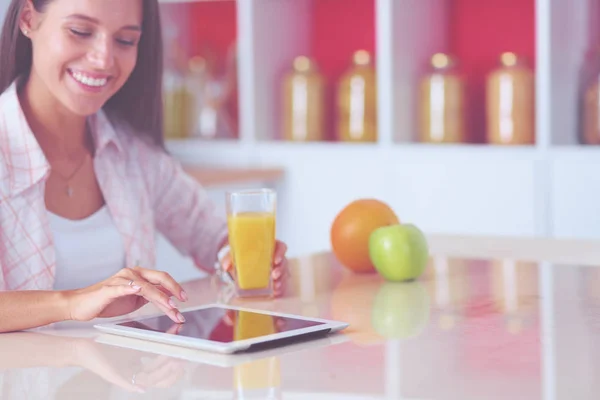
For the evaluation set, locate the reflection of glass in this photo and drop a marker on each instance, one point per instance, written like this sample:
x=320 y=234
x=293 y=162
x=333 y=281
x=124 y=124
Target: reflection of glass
x=442 y=103
x=515 y=291
x=511 y=102
x=450 y=289
x=251 y=325
x=251 y=222
x=357 y=101
x=258 y=379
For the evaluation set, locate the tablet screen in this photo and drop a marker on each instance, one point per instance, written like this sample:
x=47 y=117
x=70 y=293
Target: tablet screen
x=222 y=324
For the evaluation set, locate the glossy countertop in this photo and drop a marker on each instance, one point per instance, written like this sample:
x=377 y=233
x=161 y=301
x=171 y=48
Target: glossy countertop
x=491 y=318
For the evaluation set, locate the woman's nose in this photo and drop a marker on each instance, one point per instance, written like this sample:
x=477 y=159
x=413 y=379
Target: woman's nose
x=101 y=54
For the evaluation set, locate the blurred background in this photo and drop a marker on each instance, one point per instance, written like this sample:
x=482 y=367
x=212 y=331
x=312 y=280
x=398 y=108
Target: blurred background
x=465 y=116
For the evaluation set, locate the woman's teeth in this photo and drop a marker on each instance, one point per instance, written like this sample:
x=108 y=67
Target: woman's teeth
x=86 y=80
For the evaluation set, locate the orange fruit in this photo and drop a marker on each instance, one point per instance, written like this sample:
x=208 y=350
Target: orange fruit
x=351 y=229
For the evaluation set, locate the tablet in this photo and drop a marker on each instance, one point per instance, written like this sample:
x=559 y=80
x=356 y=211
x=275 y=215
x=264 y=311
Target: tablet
x=225 y=329
x=216 y=359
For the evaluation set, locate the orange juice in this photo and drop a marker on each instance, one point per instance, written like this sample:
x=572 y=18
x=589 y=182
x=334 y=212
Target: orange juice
x=259 y=374
x=252 y=241
x=249 y=325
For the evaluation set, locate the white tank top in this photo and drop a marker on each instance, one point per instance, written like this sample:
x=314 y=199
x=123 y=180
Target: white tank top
x=87 y=250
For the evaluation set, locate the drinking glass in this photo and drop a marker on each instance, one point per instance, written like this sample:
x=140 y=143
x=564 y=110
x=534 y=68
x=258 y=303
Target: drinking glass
x=251 y=222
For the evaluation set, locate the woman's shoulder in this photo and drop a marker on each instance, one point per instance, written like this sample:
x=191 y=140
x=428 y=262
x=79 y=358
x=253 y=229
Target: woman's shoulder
x=131 y=142
x=137 y=152
x=20 y=156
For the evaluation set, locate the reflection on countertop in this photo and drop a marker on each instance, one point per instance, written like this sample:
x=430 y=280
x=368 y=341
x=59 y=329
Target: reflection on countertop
x=469 y=328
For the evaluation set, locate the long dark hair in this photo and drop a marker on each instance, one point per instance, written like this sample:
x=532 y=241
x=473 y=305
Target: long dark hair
x=138 y=103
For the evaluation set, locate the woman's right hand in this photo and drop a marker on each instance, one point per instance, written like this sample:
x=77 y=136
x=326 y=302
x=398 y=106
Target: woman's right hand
x=125 y=292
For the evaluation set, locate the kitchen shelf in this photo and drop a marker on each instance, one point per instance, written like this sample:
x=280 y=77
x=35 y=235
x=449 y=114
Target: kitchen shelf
x=194 y=1
x=474 y=33
x=285 y=30
x=206 y=31
x=545 y=189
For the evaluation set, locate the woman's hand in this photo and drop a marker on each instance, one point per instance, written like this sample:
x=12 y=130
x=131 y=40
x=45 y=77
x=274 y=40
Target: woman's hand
x=125 y=292
x=280 y=267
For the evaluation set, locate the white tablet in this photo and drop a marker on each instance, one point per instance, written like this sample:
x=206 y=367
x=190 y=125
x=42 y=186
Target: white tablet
x=216 y=359
x=225 y=329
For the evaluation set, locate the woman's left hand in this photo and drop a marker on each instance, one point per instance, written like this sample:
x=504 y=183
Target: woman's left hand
x=280 y=267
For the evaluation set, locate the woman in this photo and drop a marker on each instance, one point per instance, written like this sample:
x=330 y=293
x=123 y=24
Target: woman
x=85 y=182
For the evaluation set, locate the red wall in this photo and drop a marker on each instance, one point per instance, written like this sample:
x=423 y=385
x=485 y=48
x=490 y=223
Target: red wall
x=479 y=32
x=214 y=24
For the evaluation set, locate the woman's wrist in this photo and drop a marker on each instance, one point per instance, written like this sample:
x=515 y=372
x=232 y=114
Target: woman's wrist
x=62 y=301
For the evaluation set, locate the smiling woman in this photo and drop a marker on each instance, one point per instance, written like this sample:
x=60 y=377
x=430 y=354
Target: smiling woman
x=85 y=182
x=71 y=27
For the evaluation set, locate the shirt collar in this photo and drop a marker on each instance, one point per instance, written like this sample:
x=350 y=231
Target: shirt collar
x=103 y=132
x=24 y=160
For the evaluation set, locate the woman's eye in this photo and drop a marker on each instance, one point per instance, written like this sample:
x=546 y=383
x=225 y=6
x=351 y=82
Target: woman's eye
x=79 y=33
x=126 y=42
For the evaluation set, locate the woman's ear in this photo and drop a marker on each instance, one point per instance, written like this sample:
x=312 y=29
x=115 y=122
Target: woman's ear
x=26 y=19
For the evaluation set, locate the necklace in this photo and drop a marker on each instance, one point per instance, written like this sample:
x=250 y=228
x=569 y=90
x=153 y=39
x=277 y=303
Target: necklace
x=67 y=180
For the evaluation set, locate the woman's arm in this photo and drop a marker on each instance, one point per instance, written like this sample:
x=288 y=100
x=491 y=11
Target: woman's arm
x=20 y=310
x=183 y=210
x=123 y=293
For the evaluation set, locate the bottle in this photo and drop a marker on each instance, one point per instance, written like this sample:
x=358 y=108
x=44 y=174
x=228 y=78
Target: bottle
x=442 y=103
x=510 y=95
x=197 y=79
x=357 y=101
x=589 y=99
x=303 y=102
x=211 y=93
x=177 y=100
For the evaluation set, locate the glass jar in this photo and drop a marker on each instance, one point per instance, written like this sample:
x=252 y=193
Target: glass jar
x=177 y=100
x=589 y=99
x=442 y=103
x=510 y=102
x=303 y=102
x=357 y=101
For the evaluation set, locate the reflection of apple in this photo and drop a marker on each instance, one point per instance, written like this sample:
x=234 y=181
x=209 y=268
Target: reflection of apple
x=352 y=302
x=399 y=252
x=401 y=310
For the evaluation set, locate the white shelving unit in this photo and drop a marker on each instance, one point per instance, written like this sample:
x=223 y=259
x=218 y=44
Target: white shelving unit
x=548 y=189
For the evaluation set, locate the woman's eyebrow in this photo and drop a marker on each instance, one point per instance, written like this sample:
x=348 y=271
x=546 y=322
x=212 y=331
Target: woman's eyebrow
x=95 y=21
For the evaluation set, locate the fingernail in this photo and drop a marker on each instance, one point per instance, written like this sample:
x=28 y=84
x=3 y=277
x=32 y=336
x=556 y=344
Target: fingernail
x=278 y=260
x=276 y=274
x=139 y=389
x=136 y=287
x=184 y=295
x=172 y=303
x=180 y=317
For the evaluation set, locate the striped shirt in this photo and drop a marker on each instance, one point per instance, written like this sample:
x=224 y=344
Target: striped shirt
x=145 y=190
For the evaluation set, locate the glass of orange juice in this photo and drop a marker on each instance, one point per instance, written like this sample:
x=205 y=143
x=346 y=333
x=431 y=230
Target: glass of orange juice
x=251 y=225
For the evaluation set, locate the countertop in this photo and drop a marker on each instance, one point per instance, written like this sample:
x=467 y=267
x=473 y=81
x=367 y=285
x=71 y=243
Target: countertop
x=491 y=318
x=213 y=176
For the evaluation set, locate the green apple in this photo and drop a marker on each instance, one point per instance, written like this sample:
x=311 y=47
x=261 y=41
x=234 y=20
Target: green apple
x=401 y=310
x=399 y=252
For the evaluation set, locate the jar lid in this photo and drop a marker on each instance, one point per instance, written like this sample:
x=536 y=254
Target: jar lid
x=197 y=64
x=509 y=59
x=303 y=64
x=362 y=57
x=442 y=61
